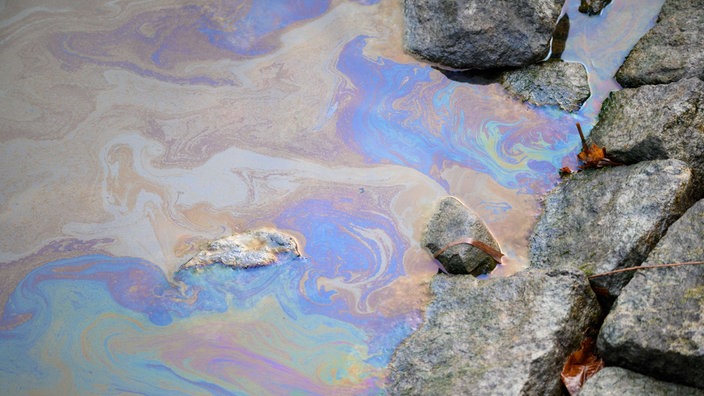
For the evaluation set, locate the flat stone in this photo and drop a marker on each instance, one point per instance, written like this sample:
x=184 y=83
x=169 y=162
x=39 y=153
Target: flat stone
x=499 y=336
x=552 y=83
x=616 y=381
x=606 y=219
x=452 y=221
x=655 y=122
x=480 y=34
x=249 y=249
x=593 y=7
x=670 y=51
x=656 y=326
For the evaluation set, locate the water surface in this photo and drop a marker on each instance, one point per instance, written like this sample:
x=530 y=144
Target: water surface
x=133 y=132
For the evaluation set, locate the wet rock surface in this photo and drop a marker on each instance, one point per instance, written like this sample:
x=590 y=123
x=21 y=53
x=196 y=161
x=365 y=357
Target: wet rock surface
x=656 y=326
x=480 y=35
x=552 y=83
x=593 y=7
x=605 y=219
x=507 y=335
x=655 y=122
x=616 y=381
x=452 y=221
x=670 y=51
x=249 y=249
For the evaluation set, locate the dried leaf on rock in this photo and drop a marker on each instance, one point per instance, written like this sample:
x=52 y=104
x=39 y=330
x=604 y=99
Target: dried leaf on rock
x=565 y=170
x=581 y=365
x=593 y=156
x=493 y=253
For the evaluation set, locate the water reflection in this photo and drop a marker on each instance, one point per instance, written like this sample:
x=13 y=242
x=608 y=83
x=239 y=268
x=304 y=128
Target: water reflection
x=133 y=133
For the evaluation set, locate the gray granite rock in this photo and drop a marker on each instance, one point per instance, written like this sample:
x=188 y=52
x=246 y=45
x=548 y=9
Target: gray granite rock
x=552 y=83
x=452 y=221
x=593 y=7
x=610 y=218
x=504 y=336
x=670 y=51
x=655 y=122
x=249 y=249
x=616 y=381
x=656 y=326
x=480 y=34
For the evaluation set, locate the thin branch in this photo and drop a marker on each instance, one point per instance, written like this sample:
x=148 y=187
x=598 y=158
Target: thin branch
x=585 y=147
x=646 y=267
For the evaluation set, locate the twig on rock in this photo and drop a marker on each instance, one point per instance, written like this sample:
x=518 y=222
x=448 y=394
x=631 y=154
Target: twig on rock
x=641 y=267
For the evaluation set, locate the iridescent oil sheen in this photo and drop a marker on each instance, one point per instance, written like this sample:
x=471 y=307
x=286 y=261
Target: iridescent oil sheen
x=134 y=132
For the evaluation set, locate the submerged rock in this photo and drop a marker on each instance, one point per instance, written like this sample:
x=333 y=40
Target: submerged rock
x=451 y=222
x=553 y=83
x=249 y=249
x=500 y=336
x=657 y=324
x=655 y=122
x=593 y=7
x=616 y=381
x=670 y=51
x=605 y=219
x=480 y=34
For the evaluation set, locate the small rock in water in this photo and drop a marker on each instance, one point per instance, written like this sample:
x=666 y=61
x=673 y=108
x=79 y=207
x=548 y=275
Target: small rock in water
x=453 y=221
x=552 y=83
x=593 y=7
x=249 y=249
x=480 y=34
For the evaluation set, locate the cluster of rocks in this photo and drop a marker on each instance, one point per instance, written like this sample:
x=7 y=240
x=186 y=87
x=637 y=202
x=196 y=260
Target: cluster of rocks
x=512 y=335
x=512 y=36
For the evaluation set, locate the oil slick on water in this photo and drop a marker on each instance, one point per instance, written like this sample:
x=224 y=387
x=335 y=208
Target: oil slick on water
x=134 y=132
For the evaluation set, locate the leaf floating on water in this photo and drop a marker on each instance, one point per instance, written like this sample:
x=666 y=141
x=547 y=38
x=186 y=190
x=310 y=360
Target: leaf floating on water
x=580 y=366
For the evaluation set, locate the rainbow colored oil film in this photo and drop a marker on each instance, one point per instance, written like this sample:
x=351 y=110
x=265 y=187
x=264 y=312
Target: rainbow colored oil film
x=132 y=133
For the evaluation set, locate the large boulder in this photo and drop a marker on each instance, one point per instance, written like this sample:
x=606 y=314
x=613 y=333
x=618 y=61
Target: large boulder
x=554 y=83
x=655 y=122
x=480 y=34
x=616 y=381
x=453 y=221
x=656 y=326
x=499 y=336
x=254 y=248
x=670 y=51
x=606 y=219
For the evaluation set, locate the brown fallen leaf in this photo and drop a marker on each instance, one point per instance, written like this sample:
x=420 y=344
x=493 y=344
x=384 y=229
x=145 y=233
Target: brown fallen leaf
x=565 y=170
x=580 y=366
x=593 y=156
